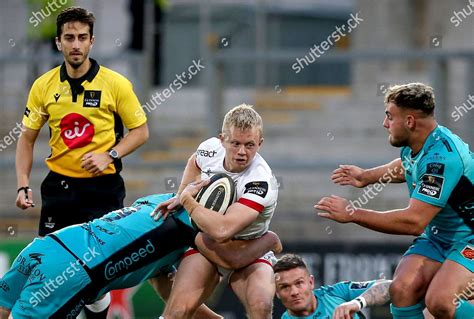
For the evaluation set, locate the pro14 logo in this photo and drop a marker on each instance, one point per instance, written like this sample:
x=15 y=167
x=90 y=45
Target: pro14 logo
x=257 y=188
x=431 y=186
x=92 y=98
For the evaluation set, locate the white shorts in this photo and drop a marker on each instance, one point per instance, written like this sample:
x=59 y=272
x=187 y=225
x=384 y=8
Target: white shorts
x=269 y=259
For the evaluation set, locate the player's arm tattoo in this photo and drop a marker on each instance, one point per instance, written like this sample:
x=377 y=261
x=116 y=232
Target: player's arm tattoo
x=378 y=294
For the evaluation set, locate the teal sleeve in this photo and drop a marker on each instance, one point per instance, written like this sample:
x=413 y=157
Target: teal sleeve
x=349 y=290
x=436 y=178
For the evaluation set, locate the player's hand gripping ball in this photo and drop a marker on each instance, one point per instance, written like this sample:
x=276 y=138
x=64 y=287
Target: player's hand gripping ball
x=218 y=194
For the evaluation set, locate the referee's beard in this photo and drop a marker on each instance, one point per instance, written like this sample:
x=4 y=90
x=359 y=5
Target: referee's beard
x=76 y=64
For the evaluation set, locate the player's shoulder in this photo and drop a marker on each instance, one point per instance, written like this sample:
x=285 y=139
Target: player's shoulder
x=259 y=168
x=209 y=147
x=346 y=285
x=113 y=76
x=48 y=77
x=445 y=146
x=258 y=179
x=211 y=142
x=445 y=141
x=356 y=285
x=329 y=289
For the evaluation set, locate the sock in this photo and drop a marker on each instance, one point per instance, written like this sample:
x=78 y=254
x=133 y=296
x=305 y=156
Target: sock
x=411 y=312
x=99 y=309
x=464 y=310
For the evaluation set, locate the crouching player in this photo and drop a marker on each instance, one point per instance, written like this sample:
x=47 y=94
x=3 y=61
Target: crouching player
x=57 y=275
x=295 y=288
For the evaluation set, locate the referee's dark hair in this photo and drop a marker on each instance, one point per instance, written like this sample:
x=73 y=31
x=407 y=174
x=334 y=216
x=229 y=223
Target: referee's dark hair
x=289 y=261
x=73 y=14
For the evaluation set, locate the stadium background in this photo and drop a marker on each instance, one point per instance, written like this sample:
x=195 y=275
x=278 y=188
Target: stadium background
x=328 y=113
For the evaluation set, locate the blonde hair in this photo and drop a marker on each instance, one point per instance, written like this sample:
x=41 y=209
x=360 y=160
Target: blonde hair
x=416 y=96
x=242 y=117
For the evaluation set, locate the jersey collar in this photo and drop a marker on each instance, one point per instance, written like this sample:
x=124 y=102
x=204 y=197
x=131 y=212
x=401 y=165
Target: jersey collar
x=89 y=76
x=434 y=136
x=76 y=84
x=430 y=139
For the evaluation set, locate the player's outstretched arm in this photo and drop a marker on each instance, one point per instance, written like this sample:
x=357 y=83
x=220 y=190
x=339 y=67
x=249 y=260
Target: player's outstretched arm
x=376 y=295
x=355 y=176
x=411 y=220
x=235 y=254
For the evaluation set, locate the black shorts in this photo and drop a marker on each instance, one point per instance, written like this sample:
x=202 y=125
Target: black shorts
x=68 y=201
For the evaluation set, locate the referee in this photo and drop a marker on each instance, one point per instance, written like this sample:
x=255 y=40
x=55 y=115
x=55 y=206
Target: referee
x=86 y=107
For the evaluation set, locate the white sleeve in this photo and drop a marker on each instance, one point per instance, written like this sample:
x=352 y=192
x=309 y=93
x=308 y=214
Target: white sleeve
x=204 y=149
x=260 y=191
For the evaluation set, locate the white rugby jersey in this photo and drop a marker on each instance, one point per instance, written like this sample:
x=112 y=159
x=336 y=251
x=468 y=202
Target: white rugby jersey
x=256 y=187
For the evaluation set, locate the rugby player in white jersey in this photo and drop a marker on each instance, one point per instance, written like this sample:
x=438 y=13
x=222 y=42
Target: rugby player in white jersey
x=235 y=153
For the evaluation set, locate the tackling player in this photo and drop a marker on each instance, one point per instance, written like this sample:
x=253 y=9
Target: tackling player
x=235 y=153
x=57 y=275
x=344 y=300
x=438 y=168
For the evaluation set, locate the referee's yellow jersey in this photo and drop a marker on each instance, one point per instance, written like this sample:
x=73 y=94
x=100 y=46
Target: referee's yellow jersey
x=84 y=115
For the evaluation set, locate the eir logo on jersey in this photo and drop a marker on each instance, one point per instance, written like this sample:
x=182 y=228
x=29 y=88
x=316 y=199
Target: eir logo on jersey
x=76 y=130
x=257 y=188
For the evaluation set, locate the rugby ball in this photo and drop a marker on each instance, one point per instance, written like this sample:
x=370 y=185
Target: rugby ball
x=219 y=194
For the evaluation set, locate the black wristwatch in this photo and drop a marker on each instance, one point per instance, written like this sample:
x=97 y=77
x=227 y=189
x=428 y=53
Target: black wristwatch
x=113 y=154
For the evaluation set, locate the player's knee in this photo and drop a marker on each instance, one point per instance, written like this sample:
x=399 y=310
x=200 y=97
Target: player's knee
x=439 y=305
x=405 y=289
x=397 y=288
x=179 y=311
x=440 y=310
x=260 y=308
